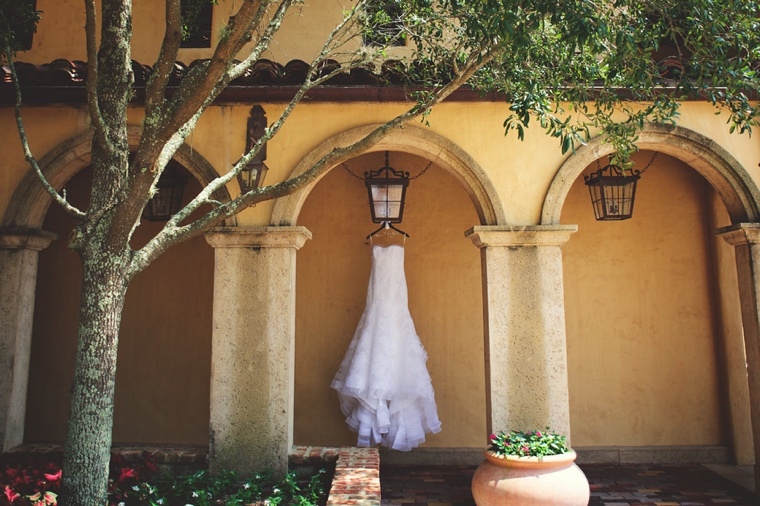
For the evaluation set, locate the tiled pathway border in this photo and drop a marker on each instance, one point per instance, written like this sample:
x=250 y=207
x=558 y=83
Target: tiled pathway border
x=357 y=473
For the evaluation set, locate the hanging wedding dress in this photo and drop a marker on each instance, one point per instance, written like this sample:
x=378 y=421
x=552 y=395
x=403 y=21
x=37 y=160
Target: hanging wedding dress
x=383 y=383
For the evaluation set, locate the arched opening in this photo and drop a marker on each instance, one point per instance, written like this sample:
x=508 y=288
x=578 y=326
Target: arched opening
x=445 y=296
x=57 y=311
x=163 y=371
x=654 y=336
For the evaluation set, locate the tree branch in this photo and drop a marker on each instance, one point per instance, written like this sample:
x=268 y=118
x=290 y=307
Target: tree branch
x=71 y=210
x=195 y=89
x=309 y=83
x=173 y=234
x=101 y=130
x=159 y=78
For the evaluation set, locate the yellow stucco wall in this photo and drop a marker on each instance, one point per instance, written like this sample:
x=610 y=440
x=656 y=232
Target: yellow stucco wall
x=641 y=316
x=681 y=331
x=521 y=172
x=60 y=33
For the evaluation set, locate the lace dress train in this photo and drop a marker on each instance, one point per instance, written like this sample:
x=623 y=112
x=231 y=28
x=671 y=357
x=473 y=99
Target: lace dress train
x=383 y=384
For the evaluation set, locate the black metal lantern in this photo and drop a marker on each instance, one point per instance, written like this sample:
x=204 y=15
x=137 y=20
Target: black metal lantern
x=612 y=192
x=386 y=188
x=168 y=198
x=252 y=176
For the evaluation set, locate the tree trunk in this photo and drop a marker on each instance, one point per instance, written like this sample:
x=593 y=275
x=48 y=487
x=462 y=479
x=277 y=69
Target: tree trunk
x=87 y=448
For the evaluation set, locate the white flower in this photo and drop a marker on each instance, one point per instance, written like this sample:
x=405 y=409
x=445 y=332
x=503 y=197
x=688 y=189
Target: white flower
x=247 y=486
x=135 y=488
x=195 y=494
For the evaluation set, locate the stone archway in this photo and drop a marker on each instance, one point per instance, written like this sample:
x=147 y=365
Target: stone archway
x=738 y=191
x=30 y=201
x=725 y=174
x=410 y=139
x=21 y=239
x=430 y=147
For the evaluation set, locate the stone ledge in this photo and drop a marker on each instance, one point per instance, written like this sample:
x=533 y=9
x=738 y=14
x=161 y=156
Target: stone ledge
x=190 y=456
x=651 y=454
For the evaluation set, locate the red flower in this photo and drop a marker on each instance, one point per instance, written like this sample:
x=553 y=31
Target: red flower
x=54 y=477
x=127 y=473
x=10 y=494
x=492 y=437
x=538 y=433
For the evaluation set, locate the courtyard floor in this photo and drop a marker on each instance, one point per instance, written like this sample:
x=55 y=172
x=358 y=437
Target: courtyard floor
x=611 y=485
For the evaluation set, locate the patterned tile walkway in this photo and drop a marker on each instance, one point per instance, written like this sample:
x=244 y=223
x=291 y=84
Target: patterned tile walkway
x=611 y=485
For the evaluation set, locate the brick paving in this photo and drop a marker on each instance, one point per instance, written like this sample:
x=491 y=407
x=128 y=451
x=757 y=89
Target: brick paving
x=356 y=479
x=611 y=485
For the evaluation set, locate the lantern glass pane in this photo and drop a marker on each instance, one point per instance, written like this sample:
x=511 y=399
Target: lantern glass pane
x=386 y=200
x=612 y=196
x=379 y=193
x=386 y=210
x=596 y=200
x=395 y=192
x=162 y=203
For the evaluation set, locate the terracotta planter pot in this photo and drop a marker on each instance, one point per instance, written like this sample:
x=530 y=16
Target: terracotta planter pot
x=530 y=481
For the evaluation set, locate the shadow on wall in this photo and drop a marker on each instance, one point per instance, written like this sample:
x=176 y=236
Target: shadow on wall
x=163 y=372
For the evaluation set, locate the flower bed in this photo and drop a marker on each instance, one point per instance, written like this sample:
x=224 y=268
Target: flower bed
x=34 y=479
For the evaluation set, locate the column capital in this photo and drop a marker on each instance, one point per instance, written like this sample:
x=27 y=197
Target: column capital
x=742 y=233
x=30 y=239
x=258 y=237
x=526 y=235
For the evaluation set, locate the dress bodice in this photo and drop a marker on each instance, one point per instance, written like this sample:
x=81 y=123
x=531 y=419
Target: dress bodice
x=387 y=281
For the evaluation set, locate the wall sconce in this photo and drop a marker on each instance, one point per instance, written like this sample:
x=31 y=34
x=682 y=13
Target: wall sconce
x=386 y=188
x=612 y=192
x=168 y=198
x=253 y=174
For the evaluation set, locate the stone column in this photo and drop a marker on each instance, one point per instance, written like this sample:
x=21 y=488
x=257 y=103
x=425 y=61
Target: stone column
x=18 y=279
x=746 y=241
x=253 y=351
x=526 y=354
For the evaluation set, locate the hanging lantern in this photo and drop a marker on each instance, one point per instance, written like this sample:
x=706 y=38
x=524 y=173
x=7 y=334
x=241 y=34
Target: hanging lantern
x=168 y=198
x=612 y=192
x=386 y=188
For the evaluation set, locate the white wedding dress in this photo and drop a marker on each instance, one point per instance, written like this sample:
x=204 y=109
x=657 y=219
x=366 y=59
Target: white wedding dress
x=383 y=384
